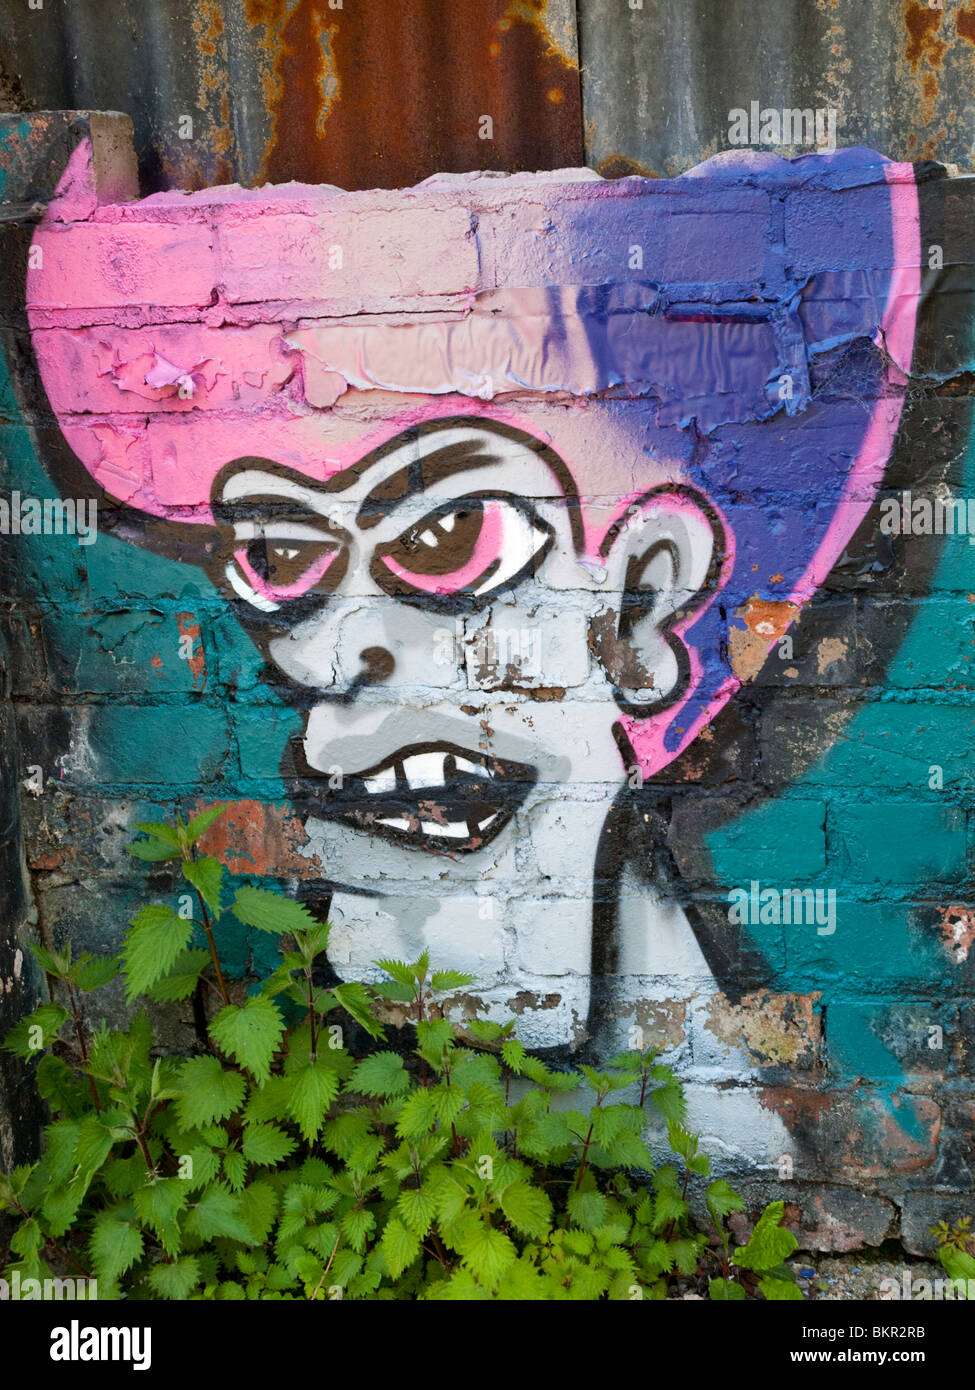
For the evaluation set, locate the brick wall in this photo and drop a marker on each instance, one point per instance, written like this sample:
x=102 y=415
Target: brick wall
x=512 y=556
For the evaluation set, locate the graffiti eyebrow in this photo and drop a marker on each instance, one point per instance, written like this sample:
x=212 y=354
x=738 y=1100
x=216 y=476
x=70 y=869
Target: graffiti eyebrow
x=270 y=506
x=420 y=474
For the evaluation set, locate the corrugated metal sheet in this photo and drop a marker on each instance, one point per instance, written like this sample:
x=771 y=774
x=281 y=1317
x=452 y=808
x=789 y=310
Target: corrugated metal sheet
x=386 y=92
x=659 y=81
x=361 y=94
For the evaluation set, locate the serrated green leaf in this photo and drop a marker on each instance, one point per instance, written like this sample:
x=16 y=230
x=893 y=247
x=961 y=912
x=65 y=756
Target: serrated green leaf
x=681 y=1140
x=153 y=943
x=206 y=876
x=175 y=1280
x=417 y=1115
x=158 y=1204
x=448 y=1102
x=266 y=1144
x=357 y=1226
x=311 y=1090
x=513 y=1053
x=160 y=831
x=670 y=1100
x=251 y=1034
x=209 y=1092
x=780 y=1290
x=487 y=1253
x=200 y=824
x=272 y=912
x=181 y=980
x=527 y=1208
x=686 y=1255
x=51 y=962
x=36 y=1032
x=669 y=1206
x=356 y=1001
x=399 y=971
x=234 y=1169
x=399 y=1246
x=726 y=1291
x=770 y=1243
x=153 y=850
x=97 y=971
x=483 y=1029
x=94 y=1144
x=115 y=1246
x=450 y=979
x=722 y=1199
x=258 y=1208
x=588 y=1209
x=381 y=1074
x=417 y=1206
x=218 y=1213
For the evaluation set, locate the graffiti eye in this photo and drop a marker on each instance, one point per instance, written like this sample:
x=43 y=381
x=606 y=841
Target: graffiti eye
x=273 y=564
x=472 y=548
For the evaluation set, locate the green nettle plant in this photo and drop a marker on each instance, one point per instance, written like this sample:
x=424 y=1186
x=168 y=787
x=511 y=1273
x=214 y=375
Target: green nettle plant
x=956 y=1251
x=275 y=1164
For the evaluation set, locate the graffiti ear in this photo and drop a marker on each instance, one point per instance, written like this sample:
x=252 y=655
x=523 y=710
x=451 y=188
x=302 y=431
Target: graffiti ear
x=662 y=558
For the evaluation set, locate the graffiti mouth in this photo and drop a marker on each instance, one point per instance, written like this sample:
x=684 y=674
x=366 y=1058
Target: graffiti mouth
x=432 y=795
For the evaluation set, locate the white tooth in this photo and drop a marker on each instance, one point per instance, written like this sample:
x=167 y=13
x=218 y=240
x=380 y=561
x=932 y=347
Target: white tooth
x=394 y=823
x=384 y=781
x=456 y=829
x=424 y=770
x=465 y=765
x=447 y=522
x=483 y=825
x=428 y=538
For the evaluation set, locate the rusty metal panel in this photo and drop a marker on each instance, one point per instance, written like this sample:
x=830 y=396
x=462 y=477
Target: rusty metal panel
x=660 y=80
x=374 y=93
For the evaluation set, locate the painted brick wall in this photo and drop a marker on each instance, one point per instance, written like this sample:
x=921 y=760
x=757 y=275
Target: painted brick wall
x=513 y=556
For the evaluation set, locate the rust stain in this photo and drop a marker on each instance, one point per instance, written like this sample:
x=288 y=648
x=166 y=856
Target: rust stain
x=930 y=148
x=527 y=999
x=965 y=23
x=775 y=1028
x=197 y=662
x=619 y=166
x=213 y=93
x=253 y=837
x=535 y=14
x=958 y=931
x=765 y=622
x=922 y=25
x=362 y=97
x=619 y=658
x=880 y=1144
x=929 y=95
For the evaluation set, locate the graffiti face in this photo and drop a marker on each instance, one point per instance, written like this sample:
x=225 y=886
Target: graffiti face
x=511 y=538
x=347 y=589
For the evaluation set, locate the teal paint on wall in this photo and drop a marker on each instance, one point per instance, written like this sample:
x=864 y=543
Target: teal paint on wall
x=897 y=848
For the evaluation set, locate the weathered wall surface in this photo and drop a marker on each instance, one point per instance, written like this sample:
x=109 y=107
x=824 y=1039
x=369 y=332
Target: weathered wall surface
x=513 y=556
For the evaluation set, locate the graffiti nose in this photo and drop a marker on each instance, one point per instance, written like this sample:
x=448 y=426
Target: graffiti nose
x=377 y=665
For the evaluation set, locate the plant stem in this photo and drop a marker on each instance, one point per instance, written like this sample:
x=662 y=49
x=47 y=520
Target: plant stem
x=326 y=1269
x=213 y=948
x=311 y=1012
x=142 y=1144
x=82 y=1045
x=200 y=1015
x=582 y=1161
